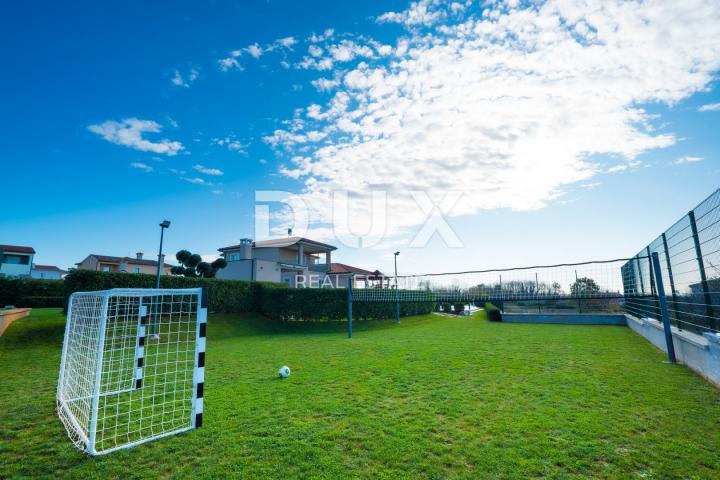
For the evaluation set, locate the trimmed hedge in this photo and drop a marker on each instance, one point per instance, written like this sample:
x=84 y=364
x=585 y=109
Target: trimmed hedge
x=226 y=296
x=274 y=300
x=329 y=304
x=493 y=313
x=31 y=292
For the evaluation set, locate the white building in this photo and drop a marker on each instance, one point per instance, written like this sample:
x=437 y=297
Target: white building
x=276 y=260
x=15 y=260
x=48 y=272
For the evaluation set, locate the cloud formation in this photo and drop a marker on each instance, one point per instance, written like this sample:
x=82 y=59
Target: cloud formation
x=129 y=132
x=142 y=166
x=511 y=106
x=687 y=159
x=208 y=171
x=710 y=107
x=180 y=80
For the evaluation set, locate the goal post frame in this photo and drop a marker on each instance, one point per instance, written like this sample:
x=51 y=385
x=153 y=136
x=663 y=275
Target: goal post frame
x=85 y=403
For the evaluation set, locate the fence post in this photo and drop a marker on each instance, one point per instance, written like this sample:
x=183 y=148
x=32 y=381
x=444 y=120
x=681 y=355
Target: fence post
x=663 y=308
x=350 y=302
x=672 y=282
x=701 y=266
x=579 y=301
x=397 y=301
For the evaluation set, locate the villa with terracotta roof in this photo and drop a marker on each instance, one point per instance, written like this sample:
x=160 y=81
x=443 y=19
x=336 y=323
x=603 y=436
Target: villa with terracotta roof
x=107 y=263
x=276 y=260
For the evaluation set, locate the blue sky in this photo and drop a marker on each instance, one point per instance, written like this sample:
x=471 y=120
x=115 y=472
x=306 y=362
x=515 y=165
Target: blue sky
x=568 y=142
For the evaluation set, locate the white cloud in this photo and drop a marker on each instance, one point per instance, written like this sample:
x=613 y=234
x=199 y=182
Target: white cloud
x=229 y=63
x=286 y=42
x=687 y=159
x=510 y=107
x=710 y=107
x=207 y=171
x=129 y=133
x=142 y=166
x=254 y=50
x=315 y=51
x=198 y=181
x=180 y=80
x=326 y=35
x=325 y=84
x=231 y=144
x=423 y=12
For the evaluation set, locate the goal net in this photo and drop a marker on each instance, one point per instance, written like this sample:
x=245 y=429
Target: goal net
x=132 y=367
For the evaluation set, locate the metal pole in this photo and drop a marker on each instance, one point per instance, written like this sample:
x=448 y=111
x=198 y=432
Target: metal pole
x=160 y=259
x=663 y=308
x=397 y=292
x=577 y=287
x=537 y=291
x=703 y=279
x=501 y=298
x=672 y=282
x=350 y=302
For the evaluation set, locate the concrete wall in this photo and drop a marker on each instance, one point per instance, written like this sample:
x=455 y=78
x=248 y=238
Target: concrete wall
x=565 y=318
x=240 y=270
x=7 y=317
x=699 y=352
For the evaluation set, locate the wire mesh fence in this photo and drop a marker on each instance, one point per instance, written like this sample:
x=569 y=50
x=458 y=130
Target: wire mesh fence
x=595 y=286
x=689 y=255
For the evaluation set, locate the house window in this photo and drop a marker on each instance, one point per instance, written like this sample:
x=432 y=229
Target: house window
x=106 y=268
x=16 y=259
x=235 y=257
x=136 y=269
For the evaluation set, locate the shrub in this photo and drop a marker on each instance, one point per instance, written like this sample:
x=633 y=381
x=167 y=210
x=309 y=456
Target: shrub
x=493 y=313
x=31 y=292
x=227 y=296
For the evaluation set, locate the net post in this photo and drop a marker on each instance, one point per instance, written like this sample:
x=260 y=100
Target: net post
x=350 y=304
x=61 y=379
x=196 y=414
x=92 y=433
x=663 y=308
x=672 y=281
x=701 y=267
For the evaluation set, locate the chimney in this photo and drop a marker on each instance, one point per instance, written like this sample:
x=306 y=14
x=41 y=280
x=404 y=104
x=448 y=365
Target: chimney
x=139 y=255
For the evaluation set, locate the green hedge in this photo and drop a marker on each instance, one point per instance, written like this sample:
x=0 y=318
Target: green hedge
x=493 y=313
x=227 y=296
x=31 y=292
x=329 y=304
x=274 y=300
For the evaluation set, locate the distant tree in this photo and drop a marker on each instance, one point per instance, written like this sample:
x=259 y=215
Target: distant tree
x=584 y=286
x=191 y=265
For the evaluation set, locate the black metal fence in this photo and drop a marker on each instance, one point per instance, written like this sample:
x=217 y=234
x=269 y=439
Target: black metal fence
x=689 y=255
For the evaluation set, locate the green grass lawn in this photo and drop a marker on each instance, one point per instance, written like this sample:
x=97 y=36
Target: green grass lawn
x=435 y=397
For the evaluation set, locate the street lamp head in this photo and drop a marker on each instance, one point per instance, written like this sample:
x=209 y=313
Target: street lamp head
x=397 y=253
x=165 y=224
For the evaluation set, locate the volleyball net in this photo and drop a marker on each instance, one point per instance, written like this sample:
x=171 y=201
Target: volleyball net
x=586 y=280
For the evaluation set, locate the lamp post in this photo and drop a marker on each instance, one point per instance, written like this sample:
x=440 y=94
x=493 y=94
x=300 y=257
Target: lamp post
x=397 y=292
x=165 y=224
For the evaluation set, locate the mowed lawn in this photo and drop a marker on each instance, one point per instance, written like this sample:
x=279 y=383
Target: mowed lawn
x=434 y=397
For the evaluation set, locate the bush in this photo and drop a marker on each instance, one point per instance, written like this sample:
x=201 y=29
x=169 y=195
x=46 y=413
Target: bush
x=31 y=292
x=226 y=296
x=493 y=313
x=329 y=304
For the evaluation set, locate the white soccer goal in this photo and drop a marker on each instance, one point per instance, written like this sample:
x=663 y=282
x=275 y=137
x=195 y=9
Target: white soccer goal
x=132 y=367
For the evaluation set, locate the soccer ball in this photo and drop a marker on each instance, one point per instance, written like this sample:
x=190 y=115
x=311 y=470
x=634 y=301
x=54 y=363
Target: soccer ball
x=284 y=372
